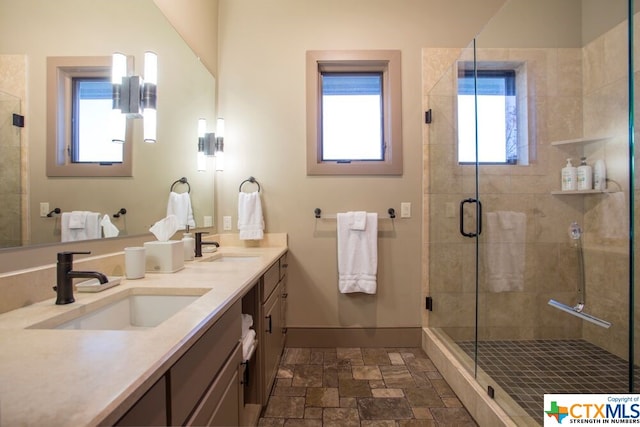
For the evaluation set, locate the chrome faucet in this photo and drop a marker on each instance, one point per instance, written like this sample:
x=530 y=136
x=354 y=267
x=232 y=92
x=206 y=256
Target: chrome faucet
x=65 y=274
x=199 y=243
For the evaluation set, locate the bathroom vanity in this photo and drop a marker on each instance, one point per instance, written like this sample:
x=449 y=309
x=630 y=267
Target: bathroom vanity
x=186 y=370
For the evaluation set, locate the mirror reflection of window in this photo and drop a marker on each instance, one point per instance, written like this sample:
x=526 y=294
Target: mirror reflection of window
x=92 y=104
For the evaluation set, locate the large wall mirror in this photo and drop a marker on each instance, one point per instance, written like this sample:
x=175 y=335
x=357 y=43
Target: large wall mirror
x=33 y=30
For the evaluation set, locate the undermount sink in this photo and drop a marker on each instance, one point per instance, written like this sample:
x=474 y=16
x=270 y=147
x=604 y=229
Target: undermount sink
x=231 y=258
x=135 y=308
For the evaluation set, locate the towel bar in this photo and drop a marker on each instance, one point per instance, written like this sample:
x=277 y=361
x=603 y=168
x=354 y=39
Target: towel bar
x=318 y=214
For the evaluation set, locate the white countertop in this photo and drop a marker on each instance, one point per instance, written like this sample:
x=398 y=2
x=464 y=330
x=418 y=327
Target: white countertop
x=87 y=377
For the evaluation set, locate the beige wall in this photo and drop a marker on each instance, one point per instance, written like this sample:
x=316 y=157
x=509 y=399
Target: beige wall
x=197 y=22
x=261 y=69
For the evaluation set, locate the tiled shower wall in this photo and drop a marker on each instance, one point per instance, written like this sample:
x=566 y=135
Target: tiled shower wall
x=571 y=93
x=13 y=152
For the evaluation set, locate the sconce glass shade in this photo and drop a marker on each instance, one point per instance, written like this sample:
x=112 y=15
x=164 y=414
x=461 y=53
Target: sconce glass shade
x=149 y=124
x=202 y=127
x=118 y=126
x=118 y=68
x=201 y=161
x=219 y=160
x=151 y=68
x=220 y=128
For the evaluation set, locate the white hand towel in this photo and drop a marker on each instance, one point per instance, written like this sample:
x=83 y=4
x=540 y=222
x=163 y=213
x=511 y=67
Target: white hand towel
x=91 y=229
x=179 y=204
x=505 y=251
x=359 y=220
x=250 y=221
x=108 y=229
x=78 y=219
x=357 y=254
x=247 y=323
x=248 y=344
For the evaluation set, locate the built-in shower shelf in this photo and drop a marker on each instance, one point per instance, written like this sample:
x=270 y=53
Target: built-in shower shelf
x=562 y=193
x=580 y=141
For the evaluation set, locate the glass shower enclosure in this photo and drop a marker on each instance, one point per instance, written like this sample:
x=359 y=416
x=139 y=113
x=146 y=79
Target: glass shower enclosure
x=532 y=287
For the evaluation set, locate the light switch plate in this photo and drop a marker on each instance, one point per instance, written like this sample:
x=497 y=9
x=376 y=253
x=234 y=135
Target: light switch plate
x=44 y=209
x=405 y=210
x=226 y=223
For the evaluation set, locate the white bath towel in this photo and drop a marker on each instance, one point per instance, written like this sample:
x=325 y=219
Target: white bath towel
x=504 y=255
x=179 y=204
x=91 y=229
x=250 y=221
x=108 y=229
x=357 y=254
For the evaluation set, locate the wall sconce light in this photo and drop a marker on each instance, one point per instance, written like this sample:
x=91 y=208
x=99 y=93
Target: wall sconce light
x=210 y=145
x=134 y=97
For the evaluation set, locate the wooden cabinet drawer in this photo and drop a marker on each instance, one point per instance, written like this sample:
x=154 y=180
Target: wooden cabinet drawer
x=270 y=280
x=150 y=410
x=221 y=404
x=194 y=372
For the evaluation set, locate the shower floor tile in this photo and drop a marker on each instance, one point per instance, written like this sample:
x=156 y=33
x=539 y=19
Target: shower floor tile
x=529 y=369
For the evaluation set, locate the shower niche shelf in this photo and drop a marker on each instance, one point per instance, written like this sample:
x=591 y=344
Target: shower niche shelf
x=579 y=141
x=564 y=193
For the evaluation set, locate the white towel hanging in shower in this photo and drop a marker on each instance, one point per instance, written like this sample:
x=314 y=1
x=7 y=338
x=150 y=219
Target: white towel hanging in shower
x=505 y=251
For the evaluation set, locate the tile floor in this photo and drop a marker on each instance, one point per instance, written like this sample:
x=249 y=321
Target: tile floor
x=529 y=369
x=361 y=387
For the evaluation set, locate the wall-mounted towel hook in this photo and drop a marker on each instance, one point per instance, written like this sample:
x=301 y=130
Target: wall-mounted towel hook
x=54 y=211
x=182 y=180
x=251 y=180
x=122 y=211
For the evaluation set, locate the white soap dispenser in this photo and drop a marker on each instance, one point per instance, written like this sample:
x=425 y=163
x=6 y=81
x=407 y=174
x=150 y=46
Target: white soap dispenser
x=189 y=245
x=569 y=177
x=585 y=176
x=599 y=175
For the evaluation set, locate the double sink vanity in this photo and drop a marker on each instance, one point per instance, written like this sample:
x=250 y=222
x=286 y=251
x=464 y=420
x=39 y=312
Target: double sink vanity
x=162 y=350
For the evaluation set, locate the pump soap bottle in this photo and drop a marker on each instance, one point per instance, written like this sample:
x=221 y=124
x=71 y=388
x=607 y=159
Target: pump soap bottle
x=569 y=177
x=585 y=177
x=599 y=176
x=189 y=245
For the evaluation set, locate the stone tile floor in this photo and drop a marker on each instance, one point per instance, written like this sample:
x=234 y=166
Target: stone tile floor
x=361 y=387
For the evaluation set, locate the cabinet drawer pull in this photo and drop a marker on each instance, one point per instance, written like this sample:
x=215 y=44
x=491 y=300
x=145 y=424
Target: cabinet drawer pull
x=284 y=330
x=270 y=326
x=285 y=265
x=285 y=295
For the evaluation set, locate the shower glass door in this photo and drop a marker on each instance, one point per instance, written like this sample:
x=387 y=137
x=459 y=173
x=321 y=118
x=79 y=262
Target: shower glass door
x=10 y=173
x=534 y=292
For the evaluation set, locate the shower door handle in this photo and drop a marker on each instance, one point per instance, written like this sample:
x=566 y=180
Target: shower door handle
x=479 y=217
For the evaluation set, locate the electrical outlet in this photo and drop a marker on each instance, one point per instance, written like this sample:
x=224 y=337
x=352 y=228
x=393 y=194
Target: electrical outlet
x=44 y=209
x=405 y=210
x=226 y=223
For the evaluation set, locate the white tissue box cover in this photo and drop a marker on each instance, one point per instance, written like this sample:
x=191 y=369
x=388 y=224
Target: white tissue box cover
x=164 y=257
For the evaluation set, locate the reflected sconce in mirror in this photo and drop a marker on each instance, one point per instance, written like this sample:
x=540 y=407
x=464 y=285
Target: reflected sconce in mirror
x=210 y=145
x=134 y=97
